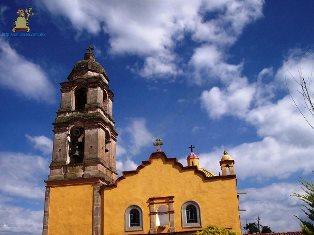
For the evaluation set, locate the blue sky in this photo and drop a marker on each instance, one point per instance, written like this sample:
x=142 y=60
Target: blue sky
x=214 y=74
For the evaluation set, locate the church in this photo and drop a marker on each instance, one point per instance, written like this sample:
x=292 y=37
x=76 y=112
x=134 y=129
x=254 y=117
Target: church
x=84 y=194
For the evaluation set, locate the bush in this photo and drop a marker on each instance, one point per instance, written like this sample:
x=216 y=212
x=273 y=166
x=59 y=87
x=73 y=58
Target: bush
x=214 y=230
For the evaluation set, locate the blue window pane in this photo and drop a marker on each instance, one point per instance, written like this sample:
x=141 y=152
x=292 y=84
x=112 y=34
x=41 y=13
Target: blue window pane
x=191 y=214
x=134 y=218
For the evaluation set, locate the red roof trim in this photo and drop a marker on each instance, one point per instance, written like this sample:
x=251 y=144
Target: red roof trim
x=282 y=233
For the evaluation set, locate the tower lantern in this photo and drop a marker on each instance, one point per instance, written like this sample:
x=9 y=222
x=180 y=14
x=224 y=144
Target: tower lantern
x=227 y=164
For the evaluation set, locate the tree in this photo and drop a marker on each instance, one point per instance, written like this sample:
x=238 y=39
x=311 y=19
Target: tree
x=214 y=230
x=306 y=98
x=266 y=229
x=307 y=197
x=251 y=227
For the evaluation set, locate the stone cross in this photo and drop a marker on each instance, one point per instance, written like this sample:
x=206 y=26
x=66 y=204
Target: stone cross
x=158 y=143
x=191 y=147
x=90 y=48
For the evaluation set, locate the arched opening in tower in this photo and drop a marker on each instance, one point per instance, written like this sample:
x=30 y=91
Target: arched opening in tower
x=77 y=145
x=80 y=99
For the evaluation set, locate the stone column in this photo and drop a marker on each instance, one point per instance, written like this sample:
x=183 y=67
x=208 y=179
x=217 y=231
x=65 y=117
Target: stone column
x=152 y=219
x=46 y=211
x=97 y=210
x=171 y=217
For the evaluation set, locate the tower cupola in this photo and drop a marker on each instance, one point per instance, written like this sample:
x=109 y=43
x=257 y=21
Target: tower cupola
x=192 y=158
x=226 y=164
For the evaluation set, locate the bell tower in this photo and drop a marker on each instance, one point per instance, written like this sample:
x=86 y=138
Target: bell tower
x=84 y=151
x=84 y=133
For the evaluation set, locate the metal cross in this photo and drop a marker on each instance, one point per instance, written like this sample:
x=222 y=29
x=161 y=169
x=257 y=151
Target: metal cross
x=191 y=147
x=158 y=143
x=90 y=48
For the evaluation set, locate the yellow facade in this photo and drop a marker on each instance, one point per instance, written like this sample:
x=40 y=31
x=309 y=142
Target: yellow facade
x=83 y=196
x=70 y=210
x=216 y=196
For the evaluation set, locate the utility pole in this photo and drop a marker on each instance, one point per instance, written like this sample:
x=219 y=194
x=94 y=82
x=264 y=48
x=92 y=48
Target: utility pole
x=258 y=225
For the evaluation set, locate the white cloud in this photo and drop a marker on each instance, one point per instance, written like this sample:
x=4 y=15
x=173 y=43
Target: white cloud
x=285 y=144
x=22 y=76
x=274 y=205
x=265 y=159
x=22 y=175
x=139 y=136
x=42 y=143
x=132 y=139
x=16 y=220
x=127 y=165
x=209 y=61
x=154 y=29
x=235 y=99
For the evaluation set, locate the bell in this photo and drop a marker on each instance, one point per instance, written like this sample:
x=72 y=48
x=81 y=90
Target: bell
x=76 y=153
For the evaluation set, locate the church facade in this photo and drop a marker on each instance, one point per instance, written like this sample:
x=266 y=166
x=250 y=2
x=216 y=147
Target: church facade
x=85 y=196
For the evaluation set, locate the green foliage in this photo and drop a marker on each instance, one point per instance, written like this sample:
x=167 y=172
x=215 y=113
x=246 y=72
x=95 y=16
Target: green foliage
x=251 y=227
x=266 y=229
x=307 y=197
x=214 y=230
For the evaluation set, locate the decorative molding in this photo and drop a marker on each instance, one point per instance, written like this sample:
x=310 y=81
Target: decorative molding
x=174 y=162
x=73 y=182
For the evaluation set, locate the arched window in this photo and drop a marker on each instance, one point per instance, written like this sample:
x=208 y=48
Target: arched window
x=80 y=99
x=133 y=219
x=105 y=101
x=191 y=215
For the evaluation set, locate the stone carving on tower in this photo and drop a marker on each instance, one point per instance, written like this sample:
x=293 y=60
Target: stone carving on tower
x=84 y=144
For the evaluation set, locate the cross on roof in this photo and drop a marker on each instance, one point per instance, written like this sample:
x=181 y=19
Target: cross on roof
x=191 y=147
x=158 y=142
x=90 y=48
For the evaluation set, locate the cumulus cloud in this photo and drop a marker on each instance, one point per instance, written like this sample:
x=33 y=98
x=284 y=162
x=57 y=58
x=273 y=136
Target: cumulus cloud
x=209 y=61
x=154 y=29
x=274 y=205
x=126 y=165
x=20 y=221
x=285 y=144
x=22 y=175
x=266 y=159
x=132 y=140
x=22 y=76
x=235 y=99
x=42 y=143
x=139 y=136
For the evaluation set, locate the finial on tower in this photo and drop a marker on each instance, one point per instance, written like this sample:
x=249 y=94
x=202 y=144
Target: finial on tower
x=90 y=48
x=225 y=152
x=158 y=142
x=89 y=55
x=192 y=159
x=191 y=147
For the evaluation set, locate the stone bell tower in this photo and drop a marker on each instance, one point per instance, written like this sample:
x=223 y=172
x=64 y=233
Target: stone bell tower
x=84 y=150
x=84 y=143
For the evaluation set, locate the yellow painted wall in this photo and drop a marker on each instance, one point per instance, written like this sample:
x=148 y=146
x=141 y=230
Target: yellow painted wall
x=217 y=199
x=70 y=210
